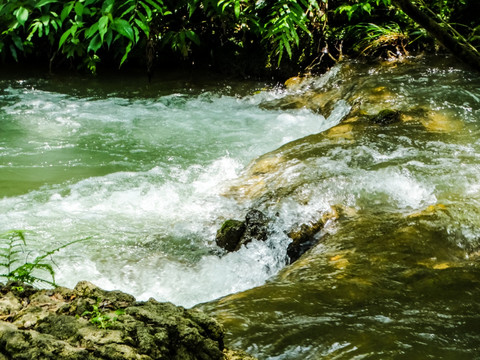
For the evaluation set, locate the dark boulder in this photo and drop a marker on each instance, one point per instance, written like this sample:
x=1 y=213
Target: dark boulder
x=255 y=226
x=386 y=117
x=235 y=233
x=230 y=234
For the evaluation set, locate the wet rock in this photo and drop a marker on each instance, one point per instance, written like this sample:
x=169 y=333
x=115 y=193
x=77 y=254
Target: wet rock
x=90 y=323
x=288 y=102
x=235 y=233
x=230 y=234
x=322 y=102
x=307 y=235
x=386 y=117
x=237 y=355
x=294 y=83
x=303 y=238
x=255 y=226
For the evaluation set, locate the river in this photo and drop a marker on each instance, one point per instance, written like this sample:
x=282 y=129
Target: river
x=149 y=172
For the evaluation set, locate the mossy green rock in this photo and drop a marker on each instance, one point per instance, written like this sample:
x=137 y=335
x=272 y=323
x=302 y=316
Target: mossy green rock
x=230 y=234
x=235 y=233
x=57 y=324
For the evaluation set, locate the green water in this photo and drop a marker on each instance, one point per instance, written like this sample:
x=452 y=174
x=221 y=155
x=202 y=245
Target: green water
x=150 y=172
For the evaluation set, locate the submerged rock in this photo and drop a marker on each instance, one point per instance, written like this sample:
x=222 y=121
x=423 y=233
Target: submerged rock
x=235 y=233
x=386 y=117
x=322 y=103
x=90 y=323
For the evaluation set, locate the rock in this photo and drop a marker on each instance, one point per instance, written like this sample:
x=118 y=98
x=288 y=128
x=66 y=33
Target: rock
x=294 y=83
x=255 y=226
x=386 y=117
x=90 y=323
x=9 y=304
x=235 y=233
x=441 y=122
x=307 y=235
x=322 y=102
x=230 y=234
x=303 y=238
x=237 y=355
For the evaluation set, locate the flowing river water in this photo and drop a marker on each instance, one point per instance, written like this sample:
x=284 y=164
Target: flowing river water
x=149 y=172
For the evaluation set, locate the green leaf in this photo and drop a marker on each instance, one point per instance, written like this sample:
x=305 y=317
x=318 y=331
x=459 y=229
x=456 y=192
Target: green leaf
x=127 y=51
x=109 y=37
x=22 y=15
x=145 y=28
x=64 y=37
x=95 y=43
x=103 y=26
x=237 y=9
x=124 y=28
x=45 y=19
x=156 y=5
x=54 y=25
x=286 y=44
x=79 y=9
x=147 y=9
x=66 y=11
x=91 y=31
x=190 y=34
x=107 y=6
x=34 y=27
x=17 y=41
x=223 y=4
x=137 y=34
x=367 y=8
x=14 y=52
x=44 y=2
x=129 y=10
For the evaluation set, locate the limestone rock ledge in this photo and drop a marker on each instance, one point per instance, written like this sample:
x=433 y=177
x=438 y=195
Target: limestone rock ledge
x=87 y=323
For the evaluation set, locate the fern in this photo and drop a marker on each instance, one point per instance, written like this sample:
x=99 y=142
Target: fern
x=286 y=18
x=12 y=246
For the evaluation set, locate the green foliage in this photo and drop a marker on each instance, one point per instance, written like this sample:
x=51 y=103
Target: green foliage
x=84 y=32
x=285 y=19
x=77 y=28
x=99 y=318
x=372 y=38
x=360 y=8
x=16 y=267
x=86 y=29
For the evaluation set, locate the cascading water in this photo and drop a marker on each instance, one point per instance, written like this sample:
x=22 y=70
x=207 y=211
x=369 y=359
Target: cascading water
x=149 y=173
x=143 y=177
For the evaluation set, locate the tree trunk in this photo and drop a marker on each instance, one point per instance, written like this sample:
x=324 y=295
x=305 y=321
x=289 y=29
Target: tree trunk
x=461 y=51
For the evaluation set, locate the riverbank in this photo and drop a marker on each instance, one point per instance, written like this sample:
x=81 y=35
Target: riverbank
x=88 y=323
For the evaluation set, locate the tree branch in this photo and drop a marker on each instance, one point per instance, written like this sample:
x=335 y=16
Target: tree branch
x=461 y=51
